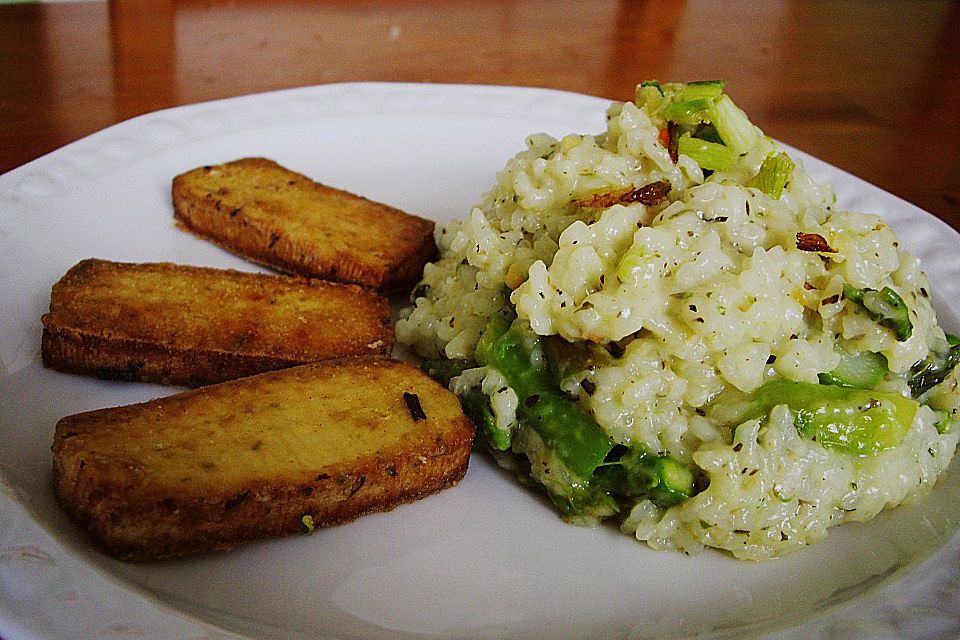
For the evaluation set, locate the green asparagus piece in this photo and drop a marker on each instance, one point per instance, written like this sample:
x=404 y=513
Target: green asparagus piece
x=934 y=369
x=732 y=124
x=703 y=89
x=565 y=358
x=571 y=433
x=568 y=430
x=854 y=421
x=651 y=83
x=688 y=111
x=708 y=132
x=885 y=306
x=862 y=370
x=443 y=369
x=476 y=405
x=663 y=479
x=774 y=174
x=709 y=155
x=496 y=327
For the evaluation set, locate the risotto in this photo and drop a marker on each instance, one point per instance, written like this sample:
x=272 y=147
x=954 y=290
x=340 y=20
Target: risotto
x=670 y=324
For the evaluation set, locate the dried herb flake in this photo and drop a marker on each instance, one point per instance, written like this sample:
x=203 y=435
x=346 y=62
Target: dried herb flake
x=413 y=405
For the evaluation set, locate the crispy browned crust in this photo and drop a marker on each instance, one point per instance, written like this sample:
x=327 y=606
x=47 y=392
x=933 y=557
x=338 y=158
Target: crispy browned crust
x=182 y=325
x=211 y=468
x=273 y=216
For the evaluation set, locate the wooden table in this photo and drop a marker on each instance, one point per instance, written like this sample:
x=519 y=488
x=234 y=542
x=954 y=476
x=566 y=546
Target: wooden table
x=872 y=87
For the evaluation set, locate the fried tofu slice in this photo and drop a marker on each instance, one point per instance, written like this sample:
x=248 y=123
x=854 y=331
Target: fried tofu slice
x=269 y=455
x=192 y=326
x=266 y=213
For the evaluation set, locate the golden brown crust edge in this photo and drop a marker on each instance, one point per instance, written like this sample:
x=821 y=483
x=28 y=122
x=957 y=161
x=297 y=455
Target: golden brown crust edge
x=81 y=353
x=99 y=350
x=220 y=523
x=137 y=525
x=229 y=227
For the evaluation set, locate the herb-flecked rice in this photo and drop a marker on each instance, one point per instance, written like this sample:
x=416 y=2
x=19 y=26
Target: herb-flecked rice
x=669 y=323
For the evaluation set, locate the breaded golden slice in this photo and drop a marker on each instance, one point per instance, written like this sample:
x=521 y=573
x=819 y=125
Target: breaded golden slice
x=263 y=456
x=259 y=210
x=174 y=324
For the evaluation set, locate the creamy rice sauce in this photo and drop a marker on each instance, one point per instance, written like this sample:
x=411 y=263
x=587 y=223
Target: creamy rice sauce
x=681 y=286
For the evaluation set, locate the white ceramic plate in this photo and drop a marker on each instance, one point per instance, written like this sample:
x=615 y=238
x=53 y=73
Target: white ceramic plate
x=486 y=559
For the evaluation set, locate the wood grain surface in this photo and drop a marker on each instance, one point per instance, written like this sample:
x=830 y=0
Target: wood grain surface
x=872 y=87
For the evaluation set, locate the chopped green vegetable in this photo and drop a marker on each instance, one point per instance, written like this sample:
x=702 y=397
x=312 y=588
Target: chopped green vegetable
x=885 y=306
x=933 y=369
x=496 y=327
x=476 y=405
x=443 y=369
x=942 y=422
x=565 y=358
x=673 y=481
x=572 y=434
x=853 y=421
x=649 y=96
x=531 y=365
x=664 y=480
x=652 y=83
x=774 y=174
x=306 y=524
x=850 y=292
x=518 y=354
x=582 y=498
x=709 y=155
x=732 y=124
x=689 y=111
x=708 y=132
x=710 y=89
x=568 y=430
x=863 y=370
